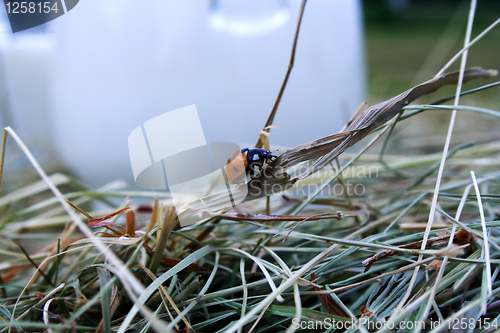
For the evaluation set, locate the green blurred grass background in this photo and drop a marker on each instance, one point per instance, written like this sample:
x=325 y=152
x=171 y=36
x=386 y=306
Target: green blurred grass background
x=408 y=42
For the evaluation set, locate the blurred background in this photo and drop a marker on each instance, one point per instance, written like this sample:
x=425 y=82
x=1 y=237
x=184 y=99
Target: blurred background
x=407 y=43
x=75 y=88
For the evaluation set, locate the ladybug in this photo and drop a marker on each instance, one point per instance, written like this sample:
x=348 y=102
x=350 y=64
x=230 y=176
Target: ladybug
x=245 y=161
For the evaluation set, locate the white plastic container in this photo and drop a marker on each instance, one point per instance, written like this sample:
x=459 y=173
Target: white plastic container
x=119 y=63
x=25 y=92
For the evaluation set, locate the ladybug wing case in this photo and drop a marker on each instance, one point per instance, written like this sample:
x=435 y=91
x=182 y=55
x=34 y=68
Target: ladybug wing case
x=236 y=167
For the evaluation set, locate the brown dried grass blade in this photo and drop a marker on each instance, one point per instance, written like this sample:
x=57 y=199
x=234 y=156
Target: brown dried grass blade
x=377 y=115
x=331 y=306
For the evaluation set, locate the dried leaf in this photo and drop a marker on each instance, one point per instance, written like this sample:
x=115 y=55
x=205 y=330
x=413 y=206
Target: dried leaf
x=377 y=115
x=95 y=224
x=331 y=306
x=173 y=262
x=115 y=302
x=462 y=237
x=435 y=264
x=130 y=229
x=99 y=222
x=365 y=312
x=261 y=218
x=144 y=209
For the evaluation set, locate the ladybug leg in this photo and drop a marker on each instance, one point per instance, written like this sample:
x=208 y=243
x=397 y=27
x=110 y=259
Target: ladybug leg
x=270 y=159
x=267 y=172
x=257 y=170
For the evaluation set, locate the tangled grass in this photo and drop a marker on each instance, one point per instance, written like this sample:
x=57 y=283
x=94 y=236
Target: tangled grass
x=369 y=241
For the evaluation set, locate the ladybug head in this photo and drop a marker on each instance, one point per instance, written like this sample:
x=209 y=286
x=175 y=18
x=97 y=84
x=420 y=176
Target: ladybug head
x=264 y=153
x=267 y=155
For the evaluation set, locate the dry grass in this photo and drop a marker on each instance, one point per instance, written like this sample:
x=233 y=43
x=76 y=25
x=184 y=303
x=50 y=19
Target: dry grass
x=344 y=244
